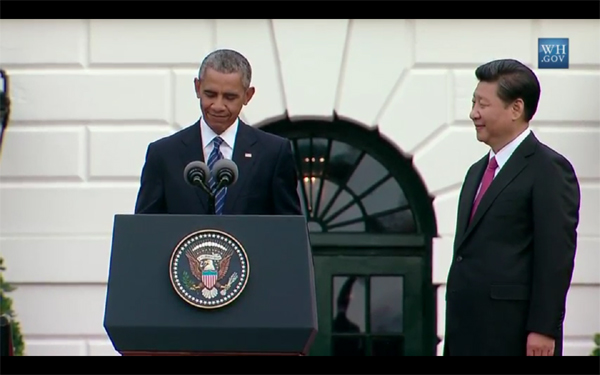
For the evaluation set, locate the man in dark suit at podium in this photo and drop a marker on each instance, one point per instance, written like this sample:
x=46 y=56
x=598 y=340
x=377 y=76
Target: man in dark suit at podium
x=516 y=231
x=267 y=182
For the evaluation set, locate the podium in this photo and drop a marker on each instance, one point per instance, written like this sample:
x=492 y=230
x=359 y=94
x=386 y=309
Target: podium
x=184 y=285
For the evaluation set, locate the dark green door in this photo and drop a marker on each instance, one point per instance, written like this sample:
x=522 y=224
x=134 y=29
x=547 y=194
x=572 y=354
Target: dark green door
x=371 y=222
x=369 y=306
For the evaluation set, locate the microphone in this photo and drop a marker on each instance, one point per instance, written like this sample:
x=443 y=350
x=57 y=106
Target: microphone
x=225 y=172
x=197 y=174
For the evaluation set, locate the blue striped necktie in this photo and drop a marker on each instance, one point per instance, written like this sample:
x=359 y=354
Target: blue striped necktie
x=212 y=159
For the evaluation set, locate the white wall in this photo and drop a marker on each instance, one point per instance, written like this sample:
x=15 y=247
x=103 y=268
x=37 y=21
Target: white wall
x=88 y=96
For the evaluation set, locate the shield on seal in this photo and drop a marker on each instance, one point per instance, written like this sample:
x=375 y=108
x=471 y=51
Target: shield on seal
x=209 y=278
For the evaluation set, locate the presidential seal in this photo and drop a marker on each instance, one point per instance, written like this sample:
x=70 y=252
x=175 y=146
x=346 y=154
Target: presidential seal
x=209 y=269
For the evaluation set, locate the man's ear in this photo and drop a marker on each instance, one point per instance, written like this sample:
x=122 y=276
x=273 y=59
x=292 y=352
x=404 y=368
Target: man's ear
x=249 y=94
x=197 y=87
x=517 y=109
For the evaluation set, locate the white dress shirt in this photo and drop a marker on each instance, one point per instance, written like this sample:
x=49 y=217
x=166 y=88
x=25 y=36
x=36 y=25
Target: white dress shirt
x=228 y=136
x=505 y=153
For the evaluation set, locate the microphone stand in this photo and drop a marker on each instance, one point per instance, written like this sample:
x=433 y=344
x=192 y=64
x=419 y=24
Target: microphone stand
x=211 y=204
x=211 y=197
x=223 y=183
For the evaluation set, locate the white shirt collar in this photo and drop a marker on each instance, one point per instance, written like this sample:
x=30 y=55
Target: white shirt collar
x=228 y=135
x=504 y=154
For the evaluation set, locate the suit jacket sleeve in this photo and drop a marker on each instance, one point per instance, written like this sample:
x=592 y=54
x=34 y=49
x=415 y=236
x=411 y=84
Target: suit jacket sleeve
x=150 y=198
x=285 y=183
x=556 y=200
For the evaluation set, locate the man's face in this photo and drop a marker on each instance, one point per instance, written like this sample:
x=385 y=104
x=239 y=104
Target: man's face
x=222 y=96
x=495 y=121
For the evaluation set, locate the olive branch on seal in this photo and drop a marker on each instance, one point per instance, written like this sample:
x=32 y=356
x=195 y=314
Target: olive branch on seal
x=187 y=280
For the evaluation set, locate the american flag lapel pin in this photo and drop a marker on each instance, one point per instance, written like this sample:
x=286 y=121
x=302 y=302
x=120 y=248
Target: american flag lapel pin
x=248 y=155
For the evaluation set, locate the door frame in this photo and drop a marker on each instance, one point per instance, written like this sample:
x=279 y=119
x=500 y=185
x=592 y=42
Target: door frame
x=368 y=140
x=375 y=246
x=409 y=268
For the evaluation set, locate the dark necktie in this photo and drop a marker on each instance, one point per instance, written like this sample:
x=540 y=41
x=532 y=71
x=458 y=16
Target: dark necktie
x=212 y=159
x=486 y=181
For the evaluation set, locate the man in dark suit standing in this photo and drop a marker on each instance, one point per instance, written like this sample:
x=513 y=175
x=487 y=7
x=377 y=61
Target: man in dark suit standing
x=267 y=183
x=516 y=230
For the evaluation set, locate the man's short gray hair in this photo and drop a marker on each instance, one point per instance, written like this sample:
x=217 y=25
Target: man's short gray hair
x=227 y=61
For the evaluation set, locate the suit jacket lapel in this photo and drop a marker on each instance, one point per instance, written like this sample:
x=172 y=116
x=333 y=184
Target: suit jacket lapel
x=193 y=151
x=244 y=156
x=513 y=167
x=467 y=196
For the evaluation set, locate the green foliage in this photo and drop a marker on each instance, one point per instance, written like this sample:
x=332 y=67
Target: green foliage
x=6 y=309
x=596 y=351
x=187 y=280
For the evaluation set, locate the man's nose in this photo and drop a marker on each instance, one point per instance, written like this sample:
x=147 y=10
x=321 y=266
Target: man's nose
x=474 y=114
x=218 y=105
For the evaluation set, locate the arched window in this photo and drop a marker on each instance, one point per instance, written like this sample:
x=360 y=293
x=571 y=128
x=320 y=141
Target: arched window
x=345 y=190
x=352 y=180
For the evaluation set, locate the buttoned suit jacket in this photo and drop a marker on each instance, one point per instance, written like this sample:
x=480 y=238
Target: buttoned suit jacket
x=513 y=262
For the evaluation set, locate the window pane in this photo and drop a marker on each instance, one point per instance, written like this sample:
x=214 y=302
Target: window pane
x=341 y=162
x=368 y=172
x=386 y=305
x=328 y=193
x=396 y=222
x=349 y=303
x=353 y=212
x=355 y=227
x=385 y=197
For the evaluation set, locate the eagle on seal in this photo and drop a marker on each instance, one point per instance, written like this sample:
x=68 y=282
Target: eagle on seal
x=210 y=269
